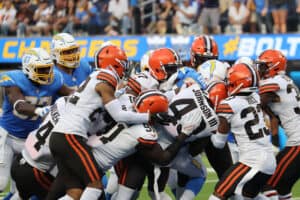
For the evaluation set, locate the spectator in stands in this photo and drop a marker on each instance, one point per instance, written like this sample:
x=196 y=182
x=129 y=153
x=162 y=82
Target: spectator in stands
x=165 y=17
x=7 y=17
x=71 y=9
x=210 y=16
x=238 y=16
x=119 y=15
x=185 y=15
x=279 y=13
x=94 y=22
x=298 y=12
x=263 y=17
x=42 y=18
x=252 y=16
x=24 y=17
x=59 y=17
x=224 y=21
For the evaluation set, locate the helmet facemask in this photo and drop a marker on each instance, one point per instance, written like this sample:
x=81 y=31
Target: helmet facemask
x=68 y=56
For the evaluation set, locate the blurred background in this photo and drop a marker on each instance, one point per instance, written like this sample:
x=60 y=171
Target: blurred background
x=240 y=27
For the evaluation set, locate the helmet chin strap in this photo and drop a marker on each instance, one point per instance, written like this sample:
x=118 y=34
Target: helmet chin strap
x=237 y=89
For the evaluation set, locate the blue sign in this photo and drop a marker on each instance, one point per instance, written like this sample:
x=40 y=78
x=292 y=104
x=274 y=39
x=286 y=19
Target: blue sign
x=230 y=46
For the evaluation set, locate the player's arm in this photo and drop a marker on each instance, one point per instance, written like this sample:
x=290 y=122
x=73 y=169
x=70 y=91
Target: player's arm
x=219 y=139
x=114 y=108
x=157 y=155
x=65 y=91
x=265 y=99
x=17 y=99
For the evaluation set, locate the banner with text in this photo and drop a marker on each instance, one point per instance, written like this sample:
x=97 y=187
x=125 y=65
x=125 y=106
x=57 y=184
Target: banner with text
x=230 y=46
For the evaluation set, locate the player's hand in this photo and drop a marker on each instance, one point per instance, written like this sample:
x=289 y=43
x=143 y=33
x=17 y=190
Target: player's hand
x=42 y=111
x=162 y=118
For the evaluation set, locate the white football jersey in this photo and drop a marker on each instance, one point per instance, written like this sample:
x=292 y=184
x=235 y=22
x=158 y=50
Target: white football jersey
x=194 y=113
x=245 y=116
x=120 y=142
x=287 y=108
x=36 y=151
x=85 y=105
x=142 y=81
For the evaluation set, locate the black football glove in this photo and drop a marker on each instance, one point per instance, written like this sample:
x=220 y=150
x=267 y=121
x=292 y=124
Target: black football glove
x=162 y=118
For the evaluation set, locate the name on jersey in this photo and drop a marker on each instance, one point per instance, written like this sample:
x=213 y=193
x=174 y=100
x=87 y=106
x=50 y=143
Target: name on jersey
x=203 y=106
x=54 y=113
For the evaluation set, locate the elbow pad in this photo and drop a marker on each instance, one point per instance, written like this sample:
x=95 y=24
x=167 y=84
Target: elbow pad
x=219 y=140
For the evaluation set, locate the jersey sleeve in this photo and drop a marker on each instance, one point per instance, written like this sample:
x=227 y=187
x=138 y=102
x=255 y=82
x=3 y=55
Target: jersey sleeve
x=149 y=138
x=86 y=66
x=108 y=78
x=7 y=80
x=224 y=109
x=134 y=85
x=269 y=85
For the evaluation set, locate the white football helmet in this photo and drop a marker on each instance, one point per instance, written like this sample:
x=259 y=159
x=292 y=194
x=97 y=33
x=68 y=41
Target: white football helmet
x=213 y=70
x=65 y=50
x=144 y=63
x=38 y=66
x=245 y=60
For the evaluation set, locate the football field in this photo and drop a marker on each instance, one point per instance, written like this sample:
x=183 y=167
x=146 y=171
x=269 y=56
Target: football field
x=206 y=190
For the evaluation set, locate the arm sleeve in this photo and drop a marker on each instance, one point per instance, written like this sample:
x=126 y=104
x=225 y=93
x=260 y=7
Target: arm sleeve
x=114 y=108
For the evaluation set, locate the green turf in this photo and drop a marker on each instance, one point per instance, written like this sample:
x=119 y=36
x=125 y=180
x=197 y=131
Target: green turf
x=207 y=189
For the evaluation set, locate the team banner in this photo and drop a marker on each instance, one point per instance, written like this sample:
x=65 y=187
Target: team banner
x=230 y=46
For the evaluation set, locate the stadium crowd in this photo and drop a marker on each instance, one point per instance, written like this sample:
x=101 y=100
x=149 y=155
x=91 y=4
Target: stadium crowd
x=116 y=17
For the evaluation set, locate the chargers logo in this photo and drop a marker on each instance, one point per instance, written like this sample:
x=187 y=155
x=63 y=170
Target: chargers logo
x=5 y=78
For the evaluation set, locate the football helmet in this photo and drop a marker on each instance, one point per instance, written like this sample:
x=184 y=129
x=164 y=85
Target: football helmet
x=245 y=60
x=163 y=62
x=111 y=57
x=217 y=91
x=213 y=70
x=152 y=101
x=144 y=62
x=38 y=66
x=203 y=48
x=270 y=63
x=242 y=78
x=65 y=51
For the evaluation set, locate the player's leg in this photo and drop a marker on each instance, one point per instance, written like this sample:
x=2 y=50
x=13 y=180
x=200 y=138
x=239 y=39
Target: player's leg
x=76 y=156
x=229 y=181
x=287 y=171
x=131 y=175
x=22 y=173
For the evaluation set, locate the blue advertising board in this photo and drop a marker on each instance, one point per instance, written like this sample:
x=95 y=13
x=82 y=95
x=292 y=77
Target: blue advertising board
x=230 y=46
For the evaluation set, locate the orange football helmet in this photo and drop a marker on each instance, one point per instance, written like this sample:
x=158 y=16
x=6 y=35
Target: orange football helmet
x=217 y=91
x=203 y=48
x=242 y=78
x=152 y=101
x=270 y=62
x=111 y=57
x=163 y=62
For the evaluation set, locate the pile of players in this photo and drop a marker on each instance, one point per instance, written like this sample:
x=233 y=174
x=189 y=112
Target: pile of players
x=65 y=125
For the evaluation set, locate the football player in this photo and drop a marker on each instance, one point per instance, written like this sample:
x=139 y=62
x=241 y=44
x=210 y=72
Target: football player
x=203 y=48
x=28 y=93
x=241 y=113
x=68 y=140
x=280 y=100
x=65 y=53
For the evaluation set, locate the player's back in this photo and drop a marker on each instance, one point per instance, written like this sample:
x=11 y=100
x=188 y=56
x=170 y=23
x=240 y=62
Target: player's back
x=36 y=151
x=193 y=111
x=244 y=113
x=287 y=107
x=84 y=106
x=120 y=142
